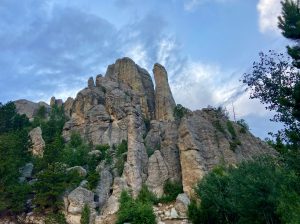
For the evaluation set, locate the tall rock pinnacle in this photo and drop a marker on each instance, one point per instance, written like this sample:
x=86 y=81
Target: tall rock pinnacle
x=164 y=101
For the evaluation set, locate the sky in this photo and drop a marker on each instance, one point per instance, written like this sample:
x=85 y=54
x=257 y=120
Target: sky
x=51 y=47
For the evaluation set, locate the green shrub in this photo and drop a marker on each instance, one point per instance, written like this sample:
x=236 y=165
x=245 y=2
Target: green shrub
x=122 y=148
x=51 y=183
x=150 y=151
x=93 y=179
x=179 y=111
x=103 y=149
x=171 y=190
x=244 y=126
x=134 y=211
x=85 y=215
x=231 y=129
x=146 y=196
x=217 y=124
x=55 y=218
x=258 y=191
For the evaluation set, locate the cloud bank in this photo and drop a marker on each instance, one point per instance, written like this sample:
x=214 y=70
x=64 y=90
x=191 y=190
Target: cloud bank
x=269 y=10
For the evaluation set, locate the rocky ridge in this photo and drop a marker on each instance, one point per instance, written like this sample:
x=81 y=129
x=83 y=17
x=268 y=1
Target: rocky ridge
x=124 y=105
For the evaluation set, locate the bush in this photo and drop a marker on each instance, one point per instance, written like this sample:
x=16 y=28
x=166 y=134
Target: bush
x=258 y=191
x=50 y=186
x=55 y=218
x=171 y=191
x=179 y=111
x=93 y=179
x=134 y=211
x=146 y=196
x=85 y=215
x=244 y=126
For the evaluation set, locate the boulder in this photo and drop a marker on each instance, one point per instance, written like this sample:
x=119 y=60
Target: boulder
x=182 y=203
x=78 y=198
x=38 y=143
x=79 y=169
x=26 y=171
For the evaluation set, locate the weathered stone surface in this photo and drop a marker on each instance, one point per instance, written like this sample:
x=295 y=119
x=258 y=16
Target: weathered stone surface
x=79 y=169
x=138 y=79
x=78 y=198
x=137 y=159
x=203 y=145
x=104 y=186
x=91 y=83
x=38 y=143
x=68 y=106
x=26 y=171
x=164 y=101
x=157 y=173
x=30 y=108
x=57 y=102
x=182 y=203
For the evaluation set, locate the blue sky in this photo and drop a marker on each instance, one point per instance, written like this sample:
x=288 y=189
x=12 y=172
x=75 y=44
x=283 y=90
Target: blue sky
x=51 y=47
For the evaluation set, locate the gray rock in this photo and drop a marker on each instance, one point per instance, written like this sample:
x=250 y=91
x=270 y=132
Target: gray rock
x=79 y=169
x=164 y=101
x=104 y=186
x=78 y=198
x=38 y=143
x=173 y=214
x=26 y=171
x=182 y=203
x=157 y=173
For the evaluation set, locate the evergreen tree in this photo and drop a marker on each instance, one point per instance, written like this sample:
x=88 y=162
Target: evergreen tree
x=289 y=23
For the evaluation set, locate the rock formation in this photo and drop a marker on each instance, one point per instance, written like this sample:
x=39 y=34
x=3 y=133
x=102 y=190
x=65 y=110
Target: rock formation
x=122 y=105
x=38 y=143
x=164 y=101
x=30 y=108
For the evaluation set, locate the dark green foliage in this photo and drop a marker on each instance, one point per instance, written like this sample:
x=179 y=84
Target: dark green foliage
x=231 y=129
x=147 y=196
x=85 y=215
x=103 y=149
x=51 y=184
x=275 y=82
x=121 y=156
x=147 y=124
x=93 y=179
x=244 y=126
x=10 y=120
x=179 y=111
x=150 y=151
x=222 y=112
x=41 y=112
x=289 y=23
x=135 y=211
x=217 y=124
x=171 y=190
x=55 y=218
x=52 y=128
x=258 y=191
x=13 y=155
x=122 y=148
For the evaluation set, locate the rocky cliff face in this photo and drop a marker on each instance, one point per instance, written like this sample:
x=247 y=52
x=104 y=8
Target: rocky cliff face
x=122 y=105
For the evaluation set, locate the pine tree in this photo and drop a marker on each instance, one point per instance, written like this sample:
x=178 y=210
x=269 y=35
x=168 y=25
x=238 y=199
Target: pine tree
x=289 y=23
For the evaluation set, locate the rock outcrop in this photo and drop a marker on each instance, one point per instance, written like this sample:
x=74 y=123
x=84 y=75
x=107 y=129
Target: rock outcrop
x=205 y=141
x=164 y=101
x=122 y=105
x=29 y=108
x=38 y=143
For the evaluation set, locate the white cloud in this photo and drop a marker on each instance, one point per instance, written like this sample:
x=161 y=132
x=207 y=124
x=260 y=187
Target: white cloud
x=190 y=5
x=138 y=53
x=268 y=10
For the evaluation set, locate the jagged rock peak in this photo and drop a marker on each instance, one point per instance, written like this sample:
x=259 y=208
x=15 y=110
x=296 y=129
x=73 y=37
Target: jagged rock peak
x=125 y=71
x=164 y=101
x=91 y=82
x=57 y=102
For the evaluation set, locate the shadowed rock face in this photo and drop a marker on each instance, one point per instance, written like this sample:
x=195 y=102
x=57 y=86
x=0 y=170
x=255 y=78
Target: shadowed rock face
x=29 y=108
x=116 y=107
x=164 y=101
